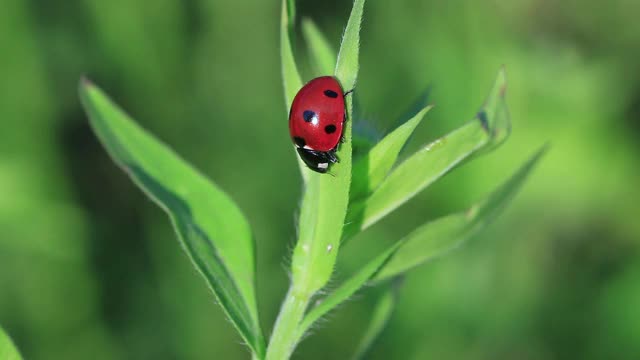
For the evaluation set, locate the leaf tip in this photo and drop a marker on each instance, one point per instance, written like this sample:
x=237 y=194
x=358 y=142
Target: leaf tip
x=471 y=212
x=502 y=81
x=484 y=121
x=85 y=86
x=85 y=82
x=422 y=114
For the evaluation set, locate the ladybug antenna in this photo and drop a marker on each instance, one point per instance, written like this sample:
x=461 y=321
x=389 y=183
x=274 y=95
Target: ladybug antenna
x=349 y=92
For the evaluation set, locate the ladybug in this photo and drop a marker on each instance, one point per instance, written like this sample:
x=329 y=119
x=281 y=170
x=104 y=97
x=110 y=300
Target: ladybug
x=316 y=122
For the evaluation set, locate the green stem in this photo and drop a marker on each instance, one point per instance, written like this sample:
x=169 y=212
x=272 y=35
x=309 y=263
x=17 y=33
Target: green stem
x=285 y=333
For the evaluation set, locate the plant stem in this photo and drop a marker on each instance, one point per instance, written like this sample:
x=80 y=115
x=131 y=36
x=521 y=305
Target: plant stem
x=285 y=333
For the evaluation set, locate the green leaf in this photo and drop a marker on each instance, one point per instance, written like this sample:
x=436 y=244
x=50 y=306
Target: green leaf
x=487 y=130
x=210 y=227
x=291 y=10
x=347 y=64
x=494 y=114
x=290 y=75
x=371 y=169
x=323 y=210
x=8 y=350
x=418 y=104
x=347 y=289
x=326 y=196
x=323 y=59
x=321 y=53
x=435 y=238
x=379 y=319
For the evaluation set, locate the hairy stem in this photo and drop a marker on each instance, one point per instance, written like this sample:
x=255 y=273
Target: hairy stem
x=285 y=333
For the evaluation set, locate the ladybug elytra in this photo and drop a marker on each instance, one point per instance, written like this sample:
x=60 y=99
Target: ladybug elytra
x=316 y=122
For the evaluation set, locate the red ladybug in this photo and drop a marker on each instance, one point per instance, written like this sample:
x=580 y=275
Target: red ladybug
x=316 y=121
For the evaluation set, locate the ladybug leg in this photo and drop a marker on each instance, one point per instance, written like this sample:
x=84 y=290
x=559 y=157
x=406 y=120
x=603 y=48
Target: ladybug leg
x=331 y=156
x=345 y=109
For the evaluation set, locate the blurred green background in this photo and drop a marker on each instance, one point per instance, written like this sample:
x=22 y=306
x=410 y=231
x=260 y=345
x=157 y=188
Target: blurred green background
x=90 y=269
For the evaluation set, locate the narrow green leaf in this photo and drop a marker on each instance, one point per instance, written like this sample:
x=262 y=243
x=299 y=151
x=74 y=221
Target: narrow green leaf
x=418 y=104
x=488 y=129
x=494 y=113
x=416 y=173
x=347 y=65
x=371 y=169
x=210 y=227
x=347 y=289
x=321 y=53
x=8 y=350
x=435 y=238
x=290 y=75
x=323 y=210
x=326 y=196
x=379 y=319
x=291 y=10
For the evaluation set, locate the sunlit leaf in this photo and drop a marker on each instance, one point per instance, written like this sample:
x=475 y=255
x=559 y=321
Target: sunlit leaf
x=210 y=227
x=347 y=65
x=373 y=167
x=8 y=350
x=437 y=237
x=488 y=129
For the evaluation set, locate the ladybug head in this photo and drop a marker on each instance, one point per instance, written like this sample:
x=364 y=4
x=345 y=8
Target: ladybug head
x=317 y=161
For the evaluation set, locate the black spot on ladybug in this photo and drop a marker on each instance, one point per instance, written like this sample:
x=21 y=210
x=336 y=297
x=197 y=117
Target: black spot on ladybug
x=308 y=115
x=330 y=129
x=299 y=141
x=331 y=94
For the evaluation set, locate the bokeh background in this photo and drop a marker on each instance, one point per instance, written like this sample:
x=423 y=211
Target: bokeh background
x=90 y=269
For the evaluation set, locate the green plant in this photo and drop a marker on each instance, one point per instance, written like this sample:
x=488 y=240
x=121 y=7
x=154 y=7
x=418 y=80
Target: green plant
x=8 y=350
x=218 y=239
